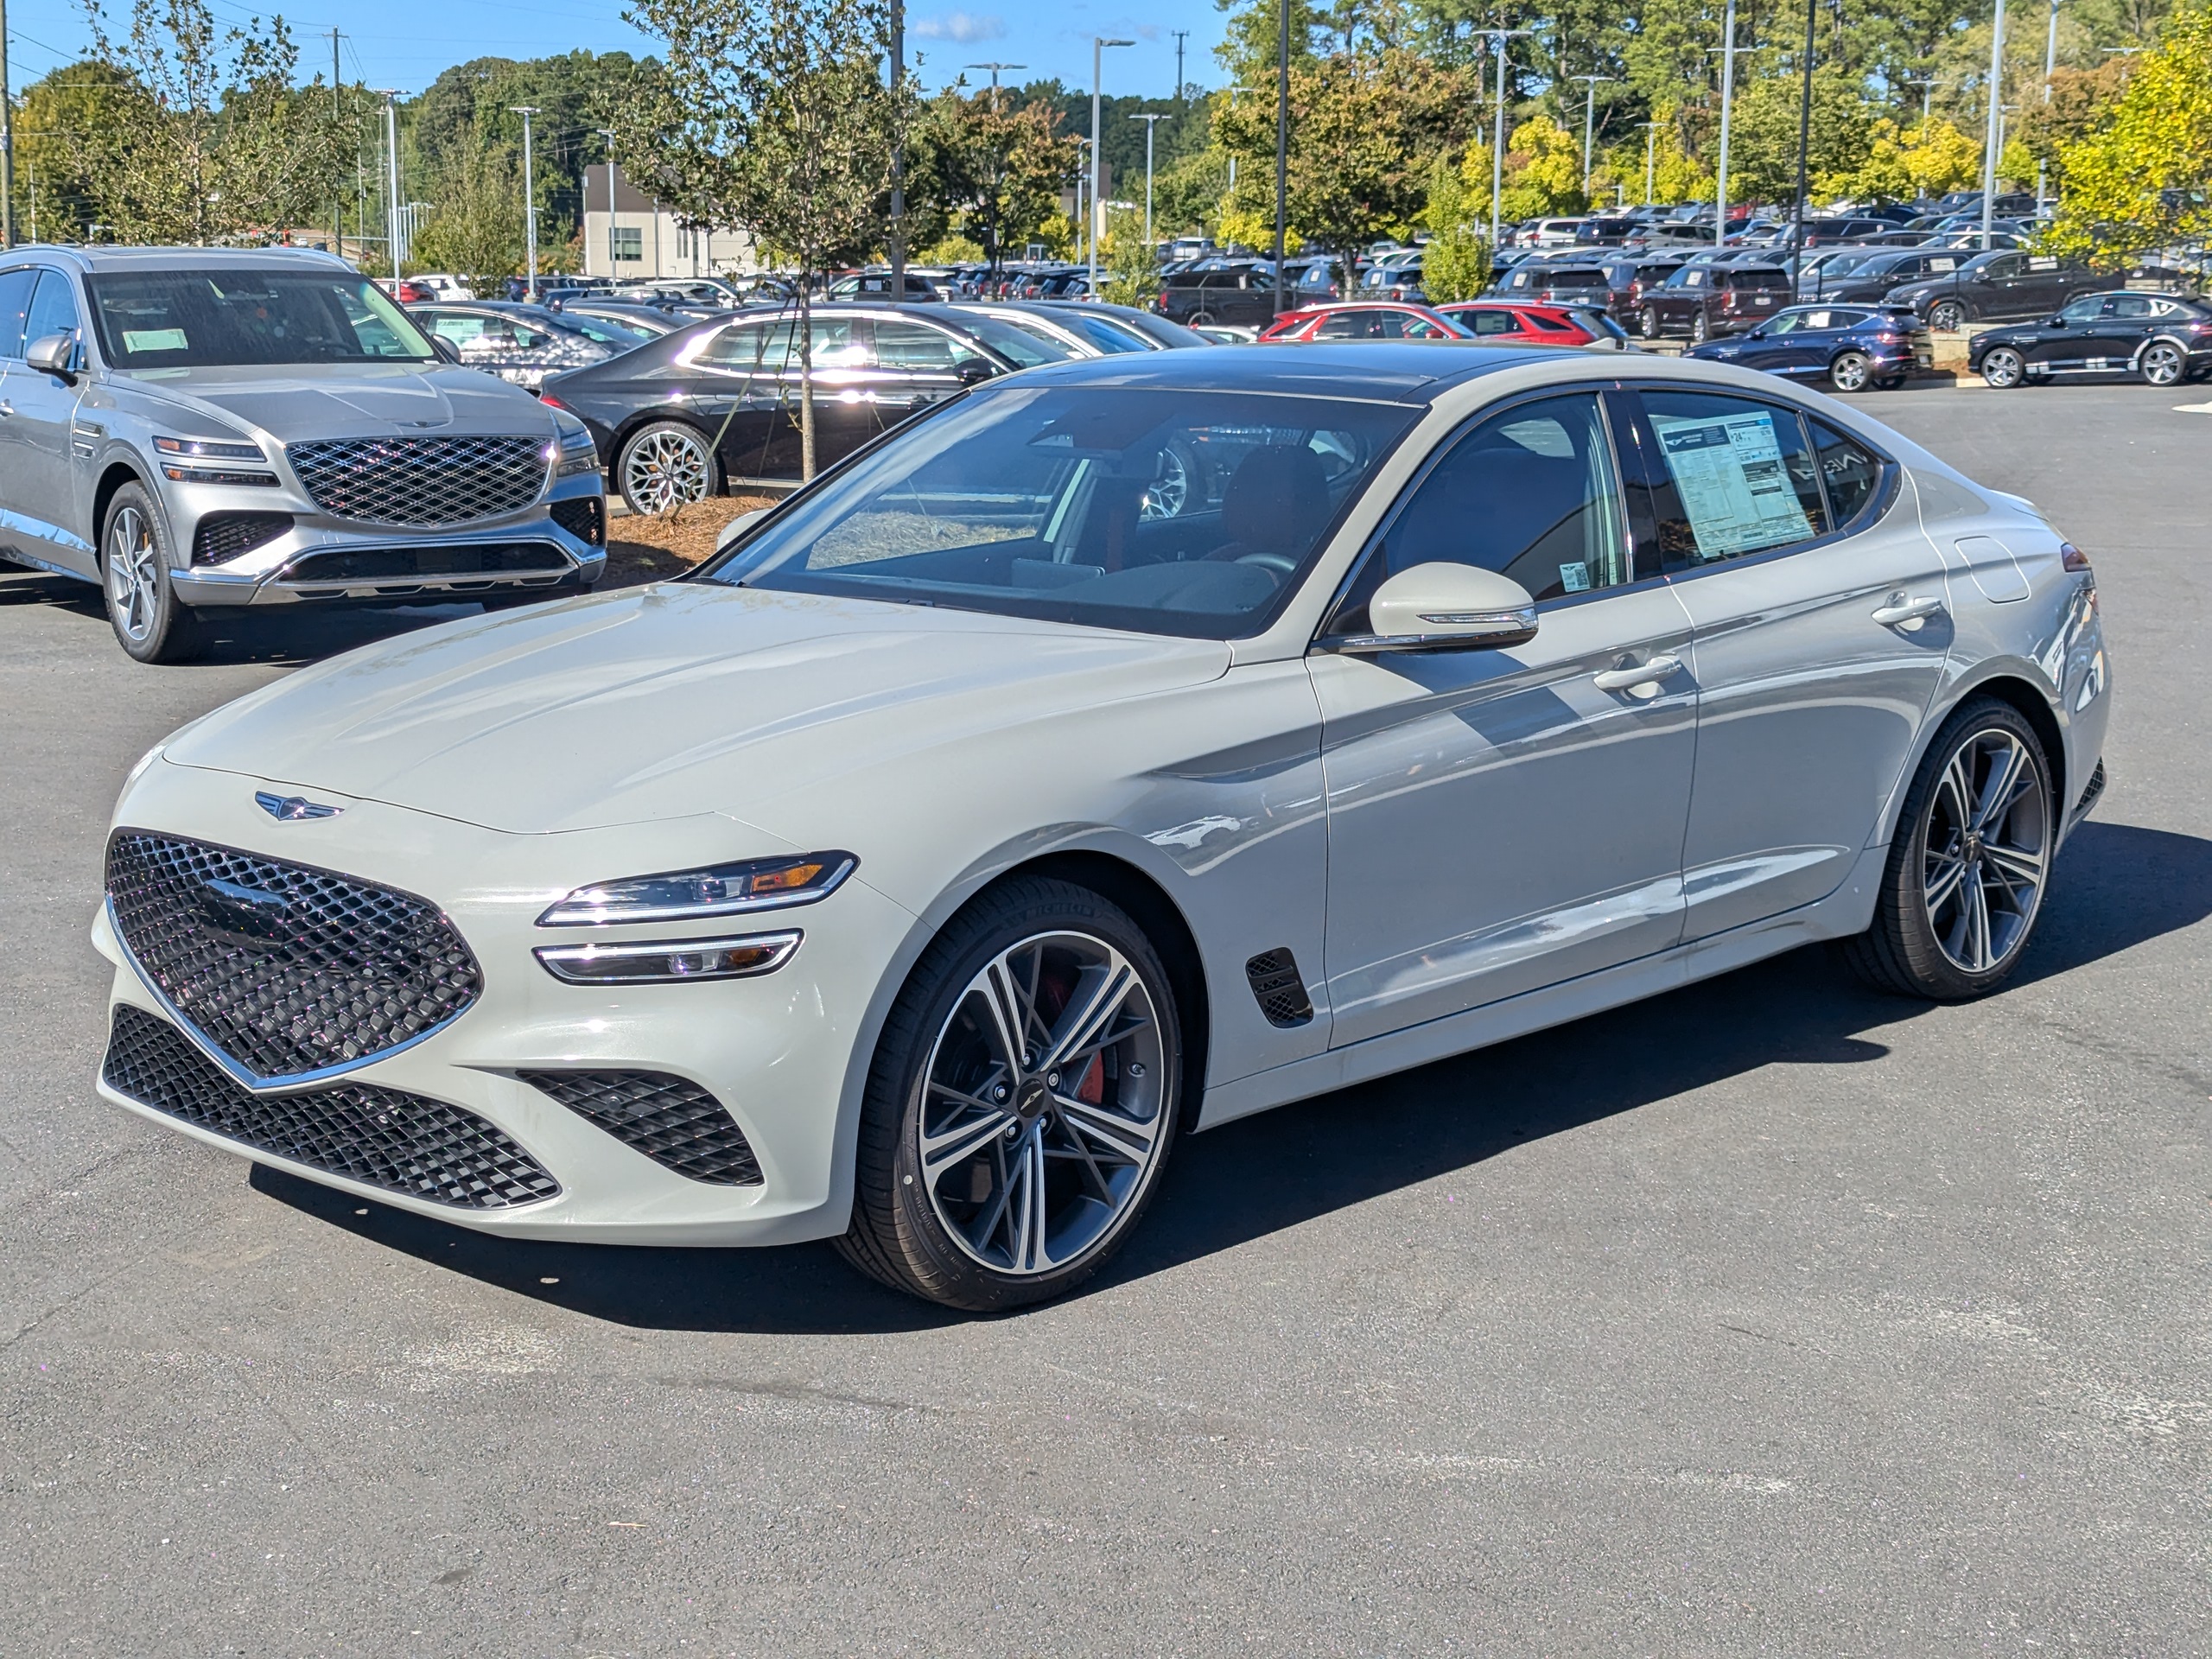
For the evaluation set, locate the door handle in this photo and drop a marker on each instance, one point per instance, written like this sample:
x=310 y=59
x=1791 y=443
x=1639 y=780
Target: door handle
x=6 y=408
x=1908 y=613
x=1639 y=681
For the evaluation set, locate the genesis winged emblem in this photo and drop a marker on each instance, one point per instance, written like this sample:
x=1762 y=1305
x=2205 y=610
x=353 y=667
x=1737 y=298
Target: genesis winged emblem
x=290 y=809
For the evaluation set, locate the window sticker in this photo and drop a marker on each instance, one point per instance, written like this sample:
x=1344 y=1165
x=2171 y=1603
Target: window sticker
x=153 y=339
x=1575 y=578
x=1734 y=489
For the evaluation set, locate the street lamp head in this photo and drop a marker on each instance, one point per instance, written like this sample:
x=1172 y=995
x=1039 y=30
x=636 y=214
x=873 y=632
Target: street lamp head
x=1097 y=40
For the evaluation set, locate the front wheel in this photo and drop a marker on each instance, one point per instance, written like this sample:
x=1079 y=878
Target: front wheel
x=1646 y=323
x=2003 y=368
x=665 y=466
x=1947 y=317
x=1699 y=329
x=1968 y=863
x=2163 y=364
x=1851 y=372
x=1022 y=1104
x=150 y=622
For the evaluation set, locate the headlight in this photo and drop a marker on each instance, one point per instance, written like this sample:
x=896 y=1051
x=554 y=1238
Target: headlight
x=576 y=452
x=666 y=962
x=178 y=454
x=208 y=449
x=717 y=890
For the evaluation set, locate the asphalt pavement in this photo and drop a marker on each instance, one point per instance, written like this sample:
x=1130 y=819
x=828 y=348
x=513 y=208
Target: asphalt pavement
x=1772 y=1317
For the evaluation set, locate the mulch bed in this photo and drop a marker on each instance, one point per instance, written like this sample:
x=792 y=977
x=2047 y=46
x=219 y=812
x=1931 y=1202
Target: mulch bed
x=640 y=549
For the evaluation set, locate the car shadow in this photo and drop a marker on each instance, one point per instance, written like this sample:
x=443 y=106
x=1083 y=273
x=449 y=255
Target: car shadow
x=2119 y=885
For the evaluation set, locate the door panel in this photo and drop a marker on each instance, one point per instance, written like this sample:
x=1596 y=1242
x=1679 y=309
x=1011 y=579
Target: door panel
x=36 y=457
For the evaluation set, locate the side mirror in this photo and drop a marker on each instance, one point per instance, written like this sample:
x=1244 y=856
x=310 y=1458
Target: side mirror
x=1446 y=607
x=738 y=526
x=445 y=348
x=2058 y=322
x=973 y=372
x=54 y=354
x=1756 y=333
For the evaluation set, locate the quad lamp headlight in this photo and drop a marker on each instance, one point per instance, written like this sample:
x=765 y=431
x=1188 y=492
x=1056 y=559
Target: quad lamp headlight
x=694 y=895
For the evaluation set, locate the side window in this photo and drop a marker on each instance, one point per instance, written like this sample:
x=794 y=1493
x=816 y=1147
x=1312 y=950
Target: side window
x=1530 y=492
x=839 y=343
x=2086 y=310
x=15 y=306
x=2006 y=266
x=1790 y=322
x=1850 y=474
x=460 y=327
x=53 y=309
x=1738 y=478
x=749 y=348
x=2136 y=308
x=1345 y=324
x=1496 y=322
x=914 y=347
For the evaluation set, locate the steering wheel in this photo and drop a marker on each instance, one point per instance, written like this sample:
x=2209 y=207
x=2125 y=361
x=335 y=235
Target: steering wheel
x=1280 y=565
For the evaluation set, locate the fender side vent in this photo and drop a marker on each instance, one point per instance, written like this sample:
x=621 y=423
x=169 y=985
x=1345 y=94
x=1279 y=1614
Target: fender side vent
x=1279 y=987
x=2089 y=795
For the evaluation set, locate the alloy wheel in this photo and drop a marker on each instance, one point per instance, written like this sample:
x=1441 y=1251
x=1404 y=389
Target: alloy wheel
x=1646 y=323
x=2163 y=364
x=134 y=573
x=2003 y=368
x=1986 y=851
x=1849 y=372
x=1699 y=328
x=1169 y=492
x=664 y=469
x=1948 y=317
x=1044 y=1103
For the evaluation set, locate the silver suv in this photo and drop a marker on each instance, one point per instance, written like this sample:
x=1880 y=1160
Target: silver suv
x=267 y=427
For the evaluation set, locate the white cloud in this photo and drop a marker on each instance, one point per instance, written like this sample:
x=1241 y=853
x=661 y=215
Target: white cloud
x=965 y=26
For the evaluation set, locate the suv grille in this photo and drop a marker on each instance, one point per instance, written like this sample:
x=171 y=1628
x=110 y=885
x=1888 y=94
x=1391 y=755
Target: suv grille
x=401 y=1143
x=286 y=969
x=221 y=536
x=422 y=481
x=676 y=1124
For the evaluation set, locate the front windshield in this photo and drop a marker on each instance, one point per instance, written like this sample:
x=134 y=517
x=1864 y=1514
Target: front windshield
x=1161 y=511
x=1018 y=345
x=249 y=314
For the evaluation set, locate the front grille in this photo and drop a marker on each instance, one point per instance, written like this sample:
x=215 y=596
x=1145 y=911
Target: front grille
x=422 y=481
x=1279 y=987
x=390 y=564
x=382 y=1137
x=583 y=516
x=221 y=536
x=676 y=1124
x=286 y=969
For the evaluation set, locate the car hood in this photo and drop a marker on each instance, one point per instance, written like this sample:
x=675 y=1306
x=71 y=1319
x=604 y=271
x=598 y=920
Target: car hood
x=668 y=701
x=351 y=400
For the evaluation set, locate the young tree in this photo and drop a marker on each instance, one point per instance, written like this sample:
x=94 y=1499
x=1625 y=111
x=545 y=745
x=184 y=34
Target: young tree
x=1763 y=145
x=995 y=174
x=477 y=230
x=1456 y=265
x=777 y=117
x=1911 y=163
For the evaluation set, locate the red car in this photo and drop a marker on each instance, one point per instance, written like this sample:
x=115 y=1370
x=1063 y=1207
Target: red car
x=1393 y=320
x=1510 y=323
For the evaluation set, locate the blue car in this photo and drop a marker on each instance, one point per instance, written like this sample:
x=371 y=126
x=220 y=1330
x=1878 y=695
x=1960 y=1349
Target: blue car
x=1850 y=347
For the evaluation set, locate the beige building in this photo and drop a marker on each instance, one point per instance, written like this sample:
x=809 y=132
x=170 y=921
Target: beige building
x=639 y=239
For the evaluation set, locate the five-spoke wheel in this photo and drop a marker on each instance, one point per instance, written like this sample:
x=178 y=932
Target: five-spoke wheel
x=2163 y=362
x=2003 y=367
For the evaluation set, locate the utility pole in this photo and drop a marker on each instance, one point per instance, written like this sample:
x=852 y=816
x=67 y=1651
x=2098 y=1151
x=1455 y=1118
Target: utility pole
x=1498 y=37
x=898 y=156
x=1993 y=139
x=391 y=181
x=337 y=114
x=607 y=133
x=529 y=205
x=1650 y=140
x=1182 y=35
x=1804 y=140
x=1282 y=142
x=2050 y=52
x=1727 y=98
x=7 y=142
x=1150 y=122
x=1589 y=123
x=1098 y=45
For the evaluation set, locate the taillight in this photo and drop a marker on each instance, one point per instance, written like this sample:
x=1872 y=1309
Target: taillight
x=2073 y=558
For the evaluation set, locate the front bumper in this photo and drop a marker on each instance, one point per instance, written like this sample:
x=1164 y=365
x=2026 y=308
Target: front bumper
x=782 y=1054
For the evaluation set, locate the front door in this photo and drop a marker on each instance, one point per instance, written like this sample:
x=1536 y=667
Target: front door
x=1503 y=820
x=2067 y=342
x=37 y=415
x=1822 y=626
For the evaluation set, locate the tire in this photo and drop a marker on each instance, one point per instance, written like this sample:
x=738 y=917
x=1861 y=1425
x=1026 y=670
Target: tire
x=1951 y=922
x=1700 y=329
x=2004 y=368
x=664 y=465
x=1851 y=372
x=957 y=1135
x=1947 y=317
x=152 y=623
x=1646 y=323
x=1199 y=319
x=2163 y=364
x=1890 y=383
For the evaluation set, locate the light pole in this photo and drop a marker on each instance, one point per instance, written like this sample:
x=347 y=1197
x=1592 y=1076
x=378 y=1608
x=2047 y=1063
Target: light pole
x=1589 y=121
x=1098 y=45
x=1926 y=87
x=994 y=68
x=1150 y=122
x=607 y=133
x=392 y=180
x=1804 y=140
x=2050 y=52
x=1650 y=139
x=529 y=205
x=1990 y=139
x=7 y=143
x=1497 y=40
x=1727 y=98
x=1282 y=140
x=898 y=155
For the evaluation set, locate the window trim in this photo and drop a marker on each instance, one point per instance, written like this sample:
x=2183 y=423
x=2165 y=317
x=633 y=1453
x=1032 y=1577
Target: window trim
x=1878 y=505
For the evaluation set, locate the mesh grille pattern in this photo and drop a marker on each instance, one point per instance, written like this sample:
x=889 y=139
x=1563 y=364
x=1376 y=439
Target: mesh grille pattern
x=1280 y=989
x=401 y=1143
x=223 y=535
x=286 y=969
x=583 y=516
x=675 y=1123
x=421 y=481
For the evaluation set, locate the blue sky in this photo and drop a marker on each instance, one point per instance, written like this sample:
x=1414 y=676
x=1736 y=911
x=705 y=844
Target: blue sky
x=405 y=45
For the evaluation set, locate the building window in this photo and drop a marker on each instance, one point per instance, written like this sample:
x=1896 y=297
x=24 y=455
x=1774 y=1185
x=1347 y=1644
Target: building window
x=629 y=242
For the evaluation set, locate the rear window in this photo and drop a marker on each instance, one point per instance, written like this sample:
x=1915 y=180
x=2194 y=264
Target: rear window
x=1760 y=279
x=1578 y=276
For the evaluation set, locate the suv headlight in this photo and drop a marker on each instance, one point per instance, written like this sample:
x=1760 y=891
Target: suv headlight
x=576 y=453
x=716 y=890
x=179 y=457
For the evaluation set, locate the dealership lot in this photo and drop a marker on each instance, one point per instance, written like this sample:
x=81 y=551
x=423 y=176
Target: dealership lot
x=1771 y=1316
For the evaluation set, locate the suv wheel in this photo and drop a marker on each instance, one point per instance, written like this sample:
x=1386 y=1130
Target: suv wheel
x=663 y=465
x=1700 y=329
x=1851 y=372
x=150 y=622
x=1947 y=316
x=1646 y=323
x=1022 y=1104
x=2004 y=368
x=2163 y=364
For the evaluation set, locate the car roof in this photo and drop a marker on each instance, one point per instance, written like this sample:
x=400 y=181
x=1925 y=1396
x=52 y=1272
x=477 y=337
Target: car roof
x=94 y=259
x=1399 y=371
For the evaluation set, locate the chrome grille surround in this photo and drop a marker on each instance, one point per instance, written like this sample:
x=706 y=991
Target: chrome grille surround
x=283 y=973
x=422 y=482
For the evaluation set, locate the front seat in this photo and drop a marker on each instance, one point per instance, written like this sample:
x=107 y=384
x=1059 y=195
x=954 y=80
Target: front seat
x=1276 y=504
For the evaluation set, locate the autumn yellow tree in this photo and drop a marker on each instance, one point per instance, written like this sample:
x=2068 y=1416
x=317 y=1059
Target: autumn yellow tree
x=2146 y=179
x=1906 y=163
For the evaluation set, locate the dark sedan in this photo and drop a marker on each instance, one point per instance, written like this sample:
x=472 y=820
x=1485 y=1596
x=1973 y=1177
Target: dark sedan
x=679 y=417
x=2163 y=339
x=2004 y=285
x=1849 y=347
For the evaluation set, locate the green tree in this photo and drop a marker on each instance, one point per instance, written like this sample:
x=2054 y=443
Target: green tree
x=1543 y=172
x=1911 y=163
x=58 y=113
x=2141 y=182
x=1457 y=264
x=1762 y=143
x=990 y=174
x=477 y=229
x=1128 y=268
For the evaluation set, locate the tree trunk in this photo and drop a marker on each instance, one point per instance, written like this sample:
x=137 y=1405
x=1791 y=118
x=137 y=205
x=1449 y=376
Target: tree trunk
x=805 y=379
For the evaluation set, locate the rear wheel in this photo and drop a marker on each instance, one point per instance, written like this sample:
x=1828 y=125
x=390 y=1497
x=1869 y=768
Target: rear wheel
x=1022 y=1104
x=1699 y=328
x=665 y=465
x=2004 y=368
x=150 y=622
x=1851 y=372
x=2163 y=362
x=1968 y=863
x=1646 y=323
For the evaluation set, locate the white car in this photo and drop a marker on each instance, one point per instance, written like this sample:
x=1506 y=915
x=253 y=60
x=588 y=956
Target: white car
x=1123 y=748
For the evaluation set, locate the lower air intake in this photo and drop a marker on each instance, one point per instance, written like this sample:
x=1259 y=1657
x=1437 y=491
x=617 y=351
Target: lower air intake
x=401 y=1143
x=675 y=1122
x=1279 y=987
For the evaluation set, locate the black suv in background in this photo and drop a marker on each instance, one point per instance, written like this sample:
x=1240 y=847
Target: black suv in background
x=2004 y=285
x=1231 y=294
x=1705 y=300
